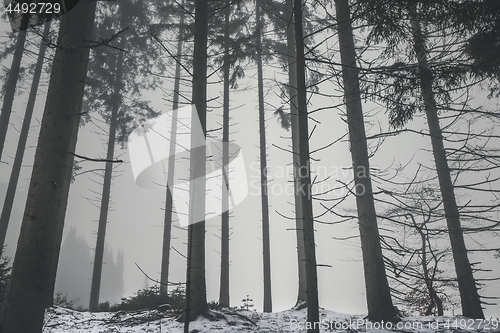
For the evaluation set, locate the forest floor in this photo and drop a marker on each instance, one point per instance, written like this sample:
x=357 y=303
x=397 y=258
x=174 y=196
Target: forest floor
x=58 y=320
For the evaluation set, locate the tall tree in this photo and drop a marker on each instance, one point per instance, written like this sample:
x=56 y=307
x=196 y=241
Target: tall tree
x=268 y=307
x=294 y=122
x=378 y=294
x=106 y=187
x=224 y=266
x=169 y=206
x=196 y=290
x=106 y=92
x=471 y=303
x=31 y=271
x=23 y=137
x=10 y=84
x=305 y=176
x=411 y=19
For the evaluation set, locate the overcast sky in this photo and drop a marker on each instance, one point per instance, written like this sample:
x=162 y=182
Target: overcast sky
x=136 y=216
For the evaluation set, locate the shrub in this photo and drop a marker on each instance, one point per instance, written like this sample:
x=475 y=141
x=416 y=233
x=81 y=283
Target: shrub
x=62 y=301
x=151 y=298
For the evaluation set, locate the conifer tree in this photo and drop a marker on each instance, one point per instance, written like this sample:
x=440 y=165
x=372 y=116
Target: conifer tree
x=378 y=294
x=30 y=282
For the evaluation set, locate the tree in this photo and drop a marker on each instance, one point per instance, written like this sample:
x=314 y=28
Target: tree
x=10 y=84
x=471 y=304
x=106 y=94
x=31 y=271
x=196 y=292
x=294 y=122
x=169 y=207
x=266 y=247
x=305 y=176
x=106 y=188
x=224 y=266
x=23 y=137
x=378 y=294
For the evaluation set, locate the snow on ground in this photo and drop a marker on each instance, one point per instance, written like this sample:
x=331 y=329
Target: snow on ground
x=59 y=320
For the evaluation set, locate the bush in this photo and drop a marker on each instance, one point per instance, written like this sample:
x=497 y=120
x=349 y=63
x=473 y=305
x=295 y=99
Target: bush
x=150 y=298
x=62 y=301
x=104 y=307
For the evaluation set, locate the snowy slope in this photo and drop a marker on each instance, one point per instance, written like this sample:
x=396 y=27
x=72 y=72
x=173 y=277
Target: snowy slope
x=58 y=320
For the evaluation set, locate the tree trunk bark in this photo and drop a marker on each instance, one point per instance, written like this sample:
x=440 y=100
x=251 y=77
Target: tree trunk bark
x=471 y=303
x=106 y=189
x=23 y=137
x=10 y=84
x=305 y=178
x=69 y=170
x=196 y=290
x=224 y=265
x=268 y=307
x=169 y=206
x=294 y=121
x=378 y=295
x=48 y=191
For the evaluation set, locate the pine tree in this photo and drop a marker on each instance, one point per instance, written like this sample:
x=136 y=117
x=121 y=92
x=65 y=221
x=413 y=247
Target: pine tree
x=23 y=137
x=10 y=84
x=378 y=294
x=471 y=303
x=30 y=283
x=169 y=207
x=196 y=292
x=305 y=176
x=263 y=163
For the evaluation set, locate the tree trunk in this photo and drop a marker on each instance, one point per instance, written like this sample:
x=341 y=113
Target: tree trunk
x=169 y=206
x=10 y=84
x=69 y=170
x=196 y=290
x=305 y=178
x=268 y=307
x=224 y=265
x=106 y=189
x=23 y=137
x=48 y=190
x=377 y=288
x=471 y=303
x=294 y=121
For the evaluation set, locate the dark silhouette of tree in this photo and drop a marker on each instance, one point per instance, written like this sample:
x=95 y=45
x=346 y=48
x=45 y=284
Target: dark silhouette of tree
x=23 y=137
x=378 y=294
x=266 y=247
x=169 y=207
x=471 y=304
x=115 y=74
x=10 y=84
x=39 y=239
x=224 y=266
x=305 y=176
x=196 y=293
